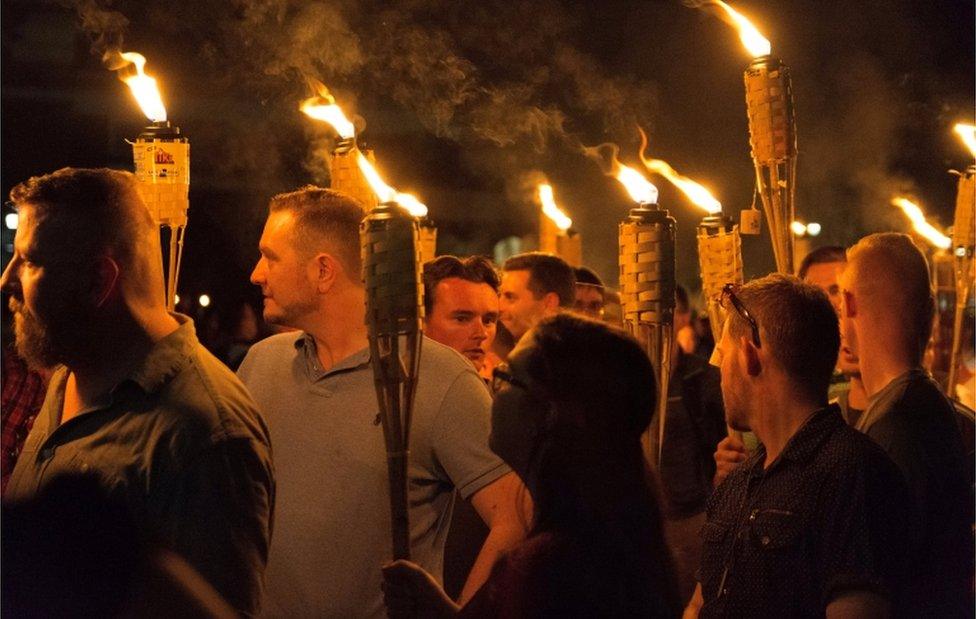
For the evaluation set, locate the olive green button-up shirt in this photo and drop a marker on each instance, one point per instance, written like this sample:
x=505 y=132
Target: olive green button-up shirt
x=182 y=444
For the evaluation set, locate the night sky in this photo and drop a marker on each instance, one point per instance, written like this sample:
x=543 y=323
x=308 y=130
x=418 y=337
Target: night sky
x=466 y=102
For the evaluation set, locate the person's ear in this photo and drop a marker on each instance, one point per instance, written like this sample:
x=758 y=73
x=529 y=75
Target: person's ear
x=326 y=270
x=750 y=354
x=551 y=300
x=105 y=280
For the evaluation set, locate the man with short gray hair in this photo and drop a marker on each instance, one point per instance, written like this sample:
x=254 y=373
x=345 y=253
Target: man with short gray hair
x=316 y=386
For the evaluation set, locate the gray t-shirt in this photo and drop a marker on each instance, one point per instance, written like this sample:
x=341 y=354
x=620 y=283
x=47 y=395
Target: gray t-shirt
x=332 y=524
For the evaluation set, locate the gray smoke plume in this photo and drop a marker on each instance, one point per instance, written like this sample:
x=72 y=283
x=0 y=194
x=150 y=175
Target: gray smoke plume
x=105 y=27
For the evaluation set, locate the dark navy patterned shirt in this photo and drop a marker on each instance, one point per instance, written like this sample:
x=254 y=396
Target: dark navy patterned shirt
x=828 y=516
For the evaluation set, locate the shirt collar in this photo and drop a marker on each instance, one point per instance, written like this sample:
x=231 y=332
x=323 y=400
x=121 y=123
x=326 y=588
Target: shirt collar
x=167 y=356
x=306 y=343
x=804 y=444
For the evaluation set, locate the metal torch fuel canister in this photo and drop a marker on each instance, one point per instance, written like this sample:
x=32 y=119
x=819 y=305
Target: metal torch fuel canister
x=647 y=284
x=162 y=168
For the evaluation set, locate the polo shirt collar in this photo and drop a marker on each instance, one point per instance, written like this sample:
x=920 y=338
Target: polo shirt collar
x=307 y=344
x=803 y=445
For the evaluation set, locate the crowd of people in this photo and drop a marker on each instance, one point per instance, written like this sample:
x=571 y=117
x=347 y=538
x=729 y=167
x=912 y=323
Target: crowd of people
x=810 y=465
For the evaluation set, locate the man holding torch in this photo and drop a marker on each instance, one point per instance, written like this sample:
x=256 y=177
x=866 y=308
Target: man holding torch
x=135 y=401
x=317 y=388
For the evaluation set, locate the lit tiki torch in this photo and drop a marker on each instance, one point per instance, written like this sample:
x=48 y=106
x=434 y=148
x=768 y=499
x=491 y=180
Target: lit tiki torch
x=353 y=171
x=556 y=234
x=963 y=245
x=162 y=161
x=772 y=131
x=390 y=240
x=719 y=241
x=719 y=244
x=647 y=282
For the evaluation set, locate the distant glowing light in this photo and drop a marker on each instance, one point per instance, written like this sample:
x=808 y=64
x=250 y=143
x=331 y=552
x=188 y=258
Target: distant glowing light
x=176 y=299
x=551 y=210
x=204 y=300
x=922 y=227
x=798 y=228
x=813 y=228
x=11 y=220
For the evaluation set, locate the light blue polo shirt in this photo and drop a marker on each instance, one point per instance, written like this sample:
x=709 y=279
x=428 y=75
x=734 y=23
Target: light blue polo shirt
x=332 y=519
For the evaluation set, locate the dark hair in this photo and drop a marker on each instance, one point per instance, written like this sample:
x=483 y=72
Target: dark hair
x=681 y=303
x=821 y=255
x=590 y=479
x=797 y=326
x=325 y=216
x=547 y=273
x=586 y=275
x=477 y=269
x=88 y=211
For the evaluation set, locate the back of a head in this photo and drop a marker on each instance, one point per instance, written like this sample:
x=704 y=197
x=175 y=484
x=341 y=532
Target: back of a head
x=476 y=269
x=797 y=327
x=827 y=254
x=598 y=375
x=547 y=273
x=85 y=213
x=586 y=275
x=890 y=278
x=325 y=221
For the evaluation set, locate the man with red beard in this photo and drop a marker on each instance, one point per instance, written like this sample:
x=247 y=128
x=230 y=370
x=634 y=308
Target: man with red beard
x=135 y=400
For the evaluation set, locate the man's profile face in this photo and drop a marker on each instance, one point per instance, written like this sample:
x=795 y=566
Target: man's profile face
x=286 y=277
x=520 y=310
x=825 y=276
x=465 y=317
x=47 y=298
x=849 y=362
x=733 y=377
x=589 y=300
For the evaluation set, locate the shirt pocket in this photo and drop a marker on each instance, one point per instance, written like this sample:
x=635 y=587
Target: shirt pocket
x=775 y=529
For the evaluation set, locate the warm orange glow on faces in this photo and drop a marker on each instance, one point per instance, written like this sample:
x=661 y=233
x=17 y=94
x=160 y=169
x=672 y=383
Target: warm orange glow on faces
x=323 y=107
x=755 y=43
x=968 y=135
x=143 y=87
x=553 y=212
x=922 y=227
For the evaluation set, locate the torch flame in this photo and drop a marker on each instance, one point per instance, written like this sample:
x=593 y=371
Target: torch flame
x=695 y=192
x=922 y=227
x=385 y=193
x=553 y=212
x=143 y=87
x=968 y=135
x=323 y=107
x=755 y=43
x=640 y=189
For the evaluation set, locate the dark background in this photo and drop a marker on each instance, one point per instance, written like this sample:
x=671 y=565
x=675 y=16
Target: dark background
x=467 y=102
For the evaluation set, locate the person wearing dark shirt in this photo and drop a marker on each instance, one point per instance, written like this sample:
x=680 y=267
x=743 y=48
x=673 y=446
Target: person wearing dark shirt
x=887 y=311
x=813 y=523
x=695 y=425
x=135 y=400
x=568 y=416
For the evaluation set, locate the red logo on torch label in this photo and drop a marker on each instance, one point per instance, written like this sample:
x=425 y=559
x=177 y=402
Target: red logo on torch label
x=162 y=157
